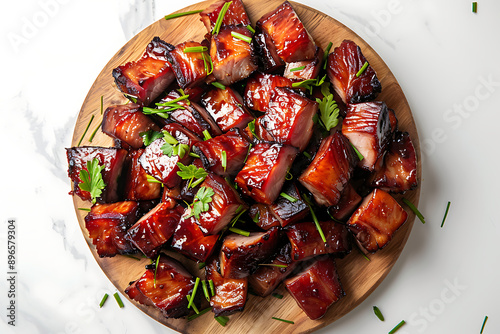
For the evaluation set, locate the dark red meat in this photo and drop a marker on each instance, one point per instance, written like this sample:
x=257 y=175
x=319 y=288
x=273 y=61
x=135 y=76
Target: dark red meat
x=289 y=212
x=262 y=215
x=189 y=67
x=259 y=88
x=311 y=68
x=349 y=201
x=235 y=15
x=137 y=186
x=269 y=60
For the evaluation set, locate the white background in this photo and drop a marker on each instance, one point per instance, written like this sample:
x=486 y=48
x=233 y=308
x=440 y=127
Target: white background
x=446 y=59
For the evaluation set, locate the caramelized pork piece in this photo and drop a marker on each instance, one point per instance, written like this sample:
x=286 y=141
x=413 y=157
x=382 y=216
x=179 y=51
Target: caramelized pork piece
x=225 y=154
x=290 y=210
x=107 y=225
x=316 y=288
x=293 y=42
x=154 y=229
x=262 y=215
x=305 y=69
x=240 y=255
x=269 y=59
x=399 y=170
x=376 y=220
x=183 y=135
x=126 y=122
x=113 y=160
x=233 y=58
x=235 y=15
x=190 y=241
x=349 y=201
x=136 y=295
x=190 y=68
x=259 y=132
x=223 y=207
x=265 y=170
x=367 y=126
x=167 y=286
x=259 y=88
x=343 y=65
x=148 y=77
x=267 y=278
x=331 y=169
x=289 y=118
x=307 y=242
x=137 y=186
x=226 y=108
x=230 y=293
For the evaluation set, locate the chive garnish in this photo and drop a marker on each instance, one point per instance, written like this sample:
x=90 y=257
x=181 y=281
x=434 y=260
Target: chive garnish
x=288 y=176
x=239 y=212
x=277 y=295
x=174 y=101
x=474 y=7
x=205 y=290
x=415 y=210
x=484 y=323
x=102 y=104
x=239 y=231
x=188 y=297
x=118 y=300
x=325 y=55
x=218 y=85
x=222 y=319
x=94 y=132
x=206 y=135
x=362 y=69
x=446 y=213
x=362 y=253
x=84 y=209
x=315 y=219
x=212 y=287
x=241 y=37
x=224 y=160
x=274 y=265
x=195 y=49
x=360 y=156
x=194 y=316
x=156 y=268
x=194 y=155
x=86 y=129
x=288 y=197
x=201 y=265
x=151 y=179
x=131 y=257
x=307 y=155
x=300 y=68
x=252 y=30
x=196 y=283
x=398 y=326
x=173 y=16
x=103 y=300
x=303 y=83
x=287 y=321
x=206 y=57
x=377 y=312
x=220 y=18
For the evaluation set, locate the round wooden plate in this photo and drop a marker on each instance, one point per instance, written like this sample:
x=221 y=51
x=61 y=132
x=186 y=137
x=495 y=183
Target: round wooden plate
x=358 y=276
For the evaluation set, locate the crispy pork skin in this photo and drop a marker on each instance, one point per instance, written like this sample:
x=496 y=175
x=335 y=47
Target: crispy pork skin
x=376 y=220
x=262 y=215
x=293 y=42
x=290 y=211
x=367 y=126
x=137 y=186
x=265 y=170
x=148 y=77
x=235 y=15
x=331 y=169
x=343 y=64
x=113 y=160
x=189 y=67
x=312 y=67
x=240 y=255
x=316 y=288
x=259 y=88
x=230 y=293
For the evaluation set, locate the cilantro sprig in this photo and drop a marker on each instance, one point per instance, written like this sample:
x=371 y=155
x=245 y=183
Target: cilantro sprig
x=201 y=200
x=328 y=109
x=150 y=136
x=191 y=173
x=92 y=179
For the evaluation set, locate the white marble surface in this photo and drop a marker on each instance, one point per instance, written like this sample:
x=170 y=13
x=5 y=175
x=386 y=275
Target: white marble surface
x=446 y=60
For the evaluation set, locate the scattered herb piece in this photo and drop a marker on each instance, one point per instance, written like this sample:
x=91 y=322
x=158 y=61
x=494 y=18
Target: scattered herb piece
x=103 y=300
x=84 y=209
x=188 y=297
x=151 y=179
x=194 y=155
x=362 y=253
x=156 y=269
x=151 y=111
x=377 y=312
x=288 y=176
x=206 y=134
x=222 y=319
x=224 y=160
x=195 y=49
x=207 y=60
x=255 y=218
x=328 y=112
x=315 y=219
x=190 y=173
x=287 y=321
x=201 y=200
x=307 y=155
x=94 y=132
x=220 y=18
x=205 y=290
x=218 y=85
x=309 y=84
x=474 y=7
x=92 y=179
x=239 y=231
x=251 y=127
x=174 y=101
x=398 y=326
x=414 y=209
x=102 y=104
x=288 y=197
x=150 y=136
x=252 y=30
x=173 y=147
x=484 y=323
x=212 y=287
x=86 y=129
x=362 y=69
x=360 y=156
x=118 y=300
x=239 y=212
x=241 y=37
x=194 y=316
x=277 y=295
x=325 y=55
x=300 y=68
x=131 y=257
x=446 y=213
x=196 y=283
x=173 y=16
x=274 y=265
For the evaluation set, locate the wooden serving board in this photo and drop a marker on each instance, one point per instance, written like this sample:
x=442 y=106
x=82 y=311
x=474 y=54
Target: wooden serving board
x=358 y=276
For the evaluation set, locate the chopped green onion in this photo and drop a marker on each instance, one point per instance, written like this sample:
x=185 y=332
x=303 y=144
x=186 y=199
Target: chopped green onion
x=274 y=265
x=307 y=155
x=102 y=104
x=201 y=265
x=86 y=129
x=484 y=323
x=194 y=155
x=287 y=321
x=252 y=30
x=212 y=287
x=196 y=283
x=84 y=209
x=220 y=18
x=194 y=316
x=222 y=319
x=118 y=300
x=205 y=290
x=362 y=253
x=325 y=55
x=103 y=300
x=156 y=268
x=288 y=176
x=239 y=231
x=300 y=68
x=446 y=213
x=193 y=306
x=415 y=210
x=206 y=57
x=377 y=312
x=151 y=179
x=288 y=197
x=256 y=217
x=94 y=132
x=362 y=69
x=241 y=37
x=360 y=156
x=224 y=160
x=174 y=101
x=173 y=16
x=238 y=215
x=315 y=219
x=277 y=295
x=169 y=138
x=218 y=85
x=474 y=10
x=131 y=257
x=197 y=182
x=303 y=83
x=206 y=134
x=195 y=49
x=398 y=326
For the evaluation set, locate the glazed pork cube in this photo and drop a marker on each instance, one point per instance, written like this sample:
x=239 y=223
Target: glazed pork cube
x=399 y=170
x=262 y=215
x=154 y=229
x=148 y=77
x=290 y=208
x=233 y=58
x=223 y=155
x=190 y=241
x=112 y=159
x=305 y=69
x=269 y=59
x=134 y=294
x=307 y=242
x=376 y=220
x=183 y=135
x=240 y=255
x=367 y=126
x=230 y=293
x=265 y=170
x=349 y=201
x=126 y=123
x=258 y=132
x=107 y=225
x=293 y=42
x=235 y=15
x=330 y=170
x=167 y=286
x=226 y=108
x=190 y=68
x=137 y=186
x=267 y=278
x=259 y=88
x=343 y=65
x=316 y=288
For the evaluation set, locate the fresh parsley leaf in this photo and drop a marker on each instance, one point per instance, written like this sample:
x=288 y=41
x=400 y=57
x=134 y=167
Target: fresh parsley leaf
x=190 y=173
x=168 y=149
x=169 y=138
x=201 y=200
x=173 y=147
x=150 y=136
x=92 y=179
x=309 y=84
x=328 y=109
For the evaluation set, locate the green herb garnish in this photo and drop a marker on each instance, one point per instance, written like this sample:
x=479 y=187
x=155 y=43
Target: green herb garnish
x=277 y=295
x=307 y=155
x=398 y=326
x=188 y=297
x=205 y=290
x=218 y=85
x=328 y=109
x=287 y=321
x=274 y=265
x=172 y=102
x=220 y=18
x=309 y=84
x=173 y=147
x=201 y=200
x=252 y=30
x=446 y=213
x=241 y=37
x=94 y=132
x=222 y=319
x=103 y=300
x=484 y=323
x=325 y=55
x=194 y=155
x=84 y=209
x=151 y=179
x=194 y=316
x=196 y=283
x=150 y=136
x=92 y=179
x=190 y=173
x=86 y=129
x=118 y=300
x=414 y=209
x=239 y=231
x=288 y=197
x=212 y=287
x=173 y=16
x=474 y=7
x=195 y=49
x=377 y=312
x=362 y=69
x=300 y=68
x=224 y=160
x=360 y=156
x=206 y=135
x=251 y=127
x=315 y=219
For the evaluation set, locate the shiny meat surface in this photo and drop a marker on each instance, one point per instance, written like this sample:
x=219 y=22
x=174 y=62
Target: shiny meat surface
x=137 y=186
x=290 y=211
x=190 y=241
x=259 y=88
x=310 y=70
x=235 y=15
x=189 y=67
